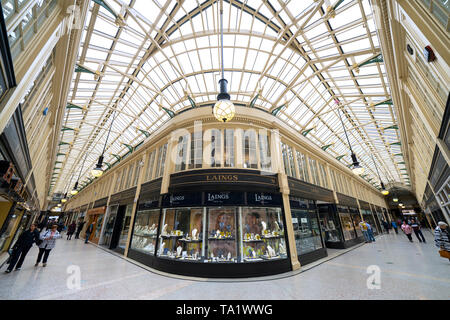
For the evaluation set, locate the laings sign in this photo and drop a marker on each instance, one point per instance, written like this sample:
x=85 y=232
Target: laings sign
x=227 y=177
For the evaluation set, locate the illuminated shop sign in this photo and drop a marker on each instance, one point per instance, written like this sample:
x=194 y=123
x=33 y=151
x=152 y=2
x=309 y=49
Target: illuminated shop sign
x=263 y=199
x=182 y=199
x=224 y=198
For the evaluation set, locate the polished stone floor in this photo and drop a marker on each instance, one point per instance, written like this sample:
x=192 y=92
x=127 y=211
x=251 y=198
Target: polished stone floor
x=407 y=271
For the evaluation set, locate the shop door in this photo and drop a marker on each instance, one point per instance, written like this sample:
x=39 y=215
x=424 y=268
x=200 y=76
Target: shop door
x=109 y=227
x=95 y=236
x=117 y=227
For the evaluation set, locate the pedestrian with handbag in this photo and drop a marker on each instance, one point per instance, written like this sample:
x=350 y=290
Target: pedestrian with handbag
x=21 y=248
x=407 y=230
x=48 y=243
x=442 y=239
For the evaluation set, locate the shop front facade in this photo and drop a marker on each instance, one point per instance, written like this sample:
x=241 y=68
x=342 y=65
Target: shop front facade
x=228 y=200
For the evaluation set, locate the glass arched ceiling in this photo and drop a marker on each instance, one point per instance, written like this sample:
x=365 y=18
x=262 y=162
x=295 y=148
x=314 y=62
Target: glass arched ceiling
x=293 y=53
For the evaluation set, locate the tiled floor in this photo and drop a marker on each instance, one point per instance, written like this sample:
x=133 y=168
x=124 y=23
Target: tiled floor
x=408 y=271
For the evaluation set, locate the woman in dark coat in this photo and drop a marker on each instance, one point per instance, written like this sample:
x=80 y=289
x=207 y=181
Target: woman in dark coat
x=22 y=246
x=71 y=230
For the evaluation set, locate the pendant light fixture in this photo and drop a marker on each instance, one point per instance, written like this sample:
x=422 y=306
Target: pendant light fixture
x=75 y=188
x=224 y=109
x=395 y=199
x=383 y=188
x=97 y=172
x=357 y=169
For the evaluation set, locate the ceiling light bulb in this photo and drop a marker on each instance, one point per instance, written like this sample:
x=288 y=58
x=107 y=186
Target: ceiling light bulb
x=63 y=200
x=385 y=192
x=395 y=199
x=97 y=172
x=224 y=110
x=358 y=170
x=74 y=192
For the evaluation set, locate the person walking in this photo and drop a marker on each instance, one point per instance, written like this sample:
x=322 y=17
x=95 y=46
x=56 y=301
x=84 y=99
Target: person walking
x=394 y=225
x=407 y=230
x=416 y=228
x=71 y=230
x=370 y=232
x=48 y=243
x=79 y=228
x=89 y=230
x=385 y=226
x=363 y=227
x=442 y=237
x=22 y=246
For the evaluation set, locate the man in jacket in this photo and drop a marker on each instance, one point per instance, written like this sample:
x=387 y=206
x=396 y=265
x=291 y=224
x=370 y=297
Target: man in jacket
x=89 y=230
x=22 y=246
x=416 y=228
x=79 y=228
x=442 y=237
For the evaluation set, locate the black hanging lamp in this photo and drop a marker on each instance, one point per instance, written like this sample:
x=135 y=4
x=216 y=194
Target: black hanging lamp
x=97 y=172
x=357 y=169
x=383 y=188
x=75 y=188
x=224 y=109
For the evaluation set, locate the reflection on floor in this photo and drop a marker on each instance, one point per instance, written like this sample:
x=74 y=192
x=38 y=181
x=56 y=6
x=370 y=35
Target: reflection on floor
x=408 y=271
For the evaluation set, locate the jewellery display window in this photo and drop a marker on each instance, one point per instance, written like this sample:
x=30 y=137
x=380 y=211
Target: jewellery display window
x=329 y=225
x=348 y=228
x=356 y=220
x=182 y=234
x=125 y=227
x=145 y=231
x=109 y=226
x=368 y=217
x=222 y=244
x=306 y=230
x=262 y=234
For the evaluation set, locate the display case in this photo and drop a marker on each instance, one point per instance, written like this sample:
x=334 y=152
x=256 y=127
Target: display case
x=109 y=226
x=356 y=218
x=329 y=224
x=306 y=230
x=222 y=239
x=145 y=231
x=348 y=228
x=125 y=227
x=181 y=234
x=262 y=231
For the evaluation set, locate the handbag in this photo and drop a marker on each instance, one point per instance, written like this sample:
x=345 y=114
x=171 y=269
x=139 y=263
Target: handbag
x=444 y=254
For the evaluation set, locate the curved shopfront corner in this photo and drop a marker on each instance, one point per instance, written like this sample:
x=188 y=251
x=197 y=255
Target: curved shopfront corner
x=223 y=232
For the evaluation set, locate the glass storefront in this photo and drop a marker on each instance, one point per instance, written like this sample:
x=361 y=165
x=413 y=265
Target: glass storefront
x=125 y=227
x=329 y=224
x=145 y=231
x=356 y=217
x=213 y=234
x=306 y=230
x=368 y=217
x=109 y=226
x=348 y=228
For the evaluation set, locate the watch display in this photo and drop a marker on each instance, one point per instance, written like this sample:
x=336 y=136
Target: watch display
x=145 y=231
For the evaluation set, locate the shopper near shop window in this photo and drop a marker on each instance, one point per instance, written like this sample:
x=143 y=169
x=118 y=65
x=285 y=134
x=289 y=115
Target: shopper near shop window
x=71 y=230
x=79 y=228
x=363 y=227
x=22 y=246
x=407 y=230
x=395 y=226
x=416 y=228
x=89 y=231
x=442 y=237
x=370 y=232
x=48 y=243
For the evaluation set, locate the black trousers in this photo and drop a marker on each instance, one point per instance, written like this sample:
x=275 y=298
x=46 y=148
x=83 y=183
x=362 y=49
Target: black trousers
x=419 y=235
x=409 y=237
x=19 y=252
x=77 y=235
x=43 y=252
x=396 y=230
x=69 y=236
